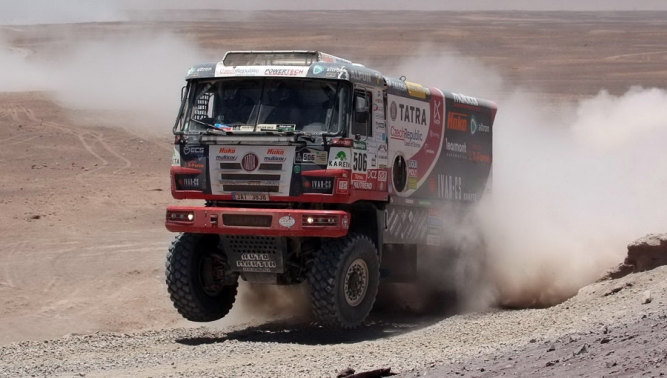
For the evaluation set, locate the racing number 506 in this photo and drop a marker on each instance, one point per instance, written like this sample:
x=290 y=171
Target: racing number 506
x=359 y=161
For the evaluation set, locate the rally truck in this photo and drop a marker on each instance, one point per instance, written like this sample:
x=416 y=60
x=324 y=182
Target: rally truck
x=309 y=167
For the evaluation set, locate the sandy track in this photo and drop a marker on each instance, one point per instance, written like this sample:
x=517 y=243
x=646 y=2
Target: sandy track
x=82 y=241
x=405 y=343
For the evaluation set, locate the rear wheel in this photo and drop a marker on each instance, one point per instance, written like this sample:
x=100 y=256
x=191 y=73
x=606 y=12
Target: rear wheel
x=196 y=278
x=344 y=280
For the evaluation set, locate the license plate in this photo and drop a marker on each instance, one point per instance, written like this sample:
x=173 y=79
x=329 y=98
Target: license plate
x=250 y=196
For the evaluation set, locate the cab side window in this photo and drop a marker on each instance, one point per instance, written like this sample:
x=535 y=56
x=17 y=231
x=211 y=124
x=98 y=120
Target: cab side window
x=361 y=121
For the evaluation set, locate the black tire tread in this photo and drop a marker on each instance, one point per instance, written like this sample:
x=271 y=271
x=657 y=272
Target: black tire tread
x=179 y=287
x=322 y=279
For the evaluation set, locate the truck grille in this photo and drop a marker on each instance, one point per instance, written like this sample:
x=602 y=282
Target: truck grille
x=246 y=220
x=251 y=169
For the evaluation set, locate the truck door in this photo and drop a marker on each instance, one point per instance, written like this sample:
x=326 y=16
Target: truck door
x=369 y=152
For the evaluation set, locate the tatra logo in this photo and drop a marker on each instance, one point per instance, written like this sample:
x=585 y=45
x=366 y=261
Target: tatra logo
x=249 y=162
x=275 y=151
x=225 y=150
x=457 y=121
x=412 y=114
x=393 y=111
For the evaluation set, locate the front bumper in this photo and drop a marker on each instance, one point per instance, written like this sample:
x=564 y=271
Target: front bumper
x=261 y=222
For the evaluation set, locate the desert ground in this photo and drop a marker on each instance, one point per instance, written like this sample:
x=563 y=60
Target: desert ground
x=83 y=192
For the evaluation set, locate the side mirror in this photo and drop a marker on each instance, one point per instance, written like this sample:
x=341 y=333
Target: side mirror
x=360 y=105
x=183 y=93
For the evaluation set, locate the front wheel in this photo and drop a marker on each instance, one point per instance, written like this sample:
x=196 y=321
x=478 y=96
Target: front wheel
x=196 y=278
x=344 y=280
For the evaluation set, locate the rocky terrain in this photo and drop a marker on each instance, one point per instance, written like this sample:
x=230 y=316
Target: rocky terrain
x=83 y=192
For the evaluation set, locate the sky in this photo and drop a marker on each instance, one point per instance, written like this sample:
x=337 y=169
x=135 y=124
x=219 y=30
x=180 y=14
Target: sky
x=16 y=12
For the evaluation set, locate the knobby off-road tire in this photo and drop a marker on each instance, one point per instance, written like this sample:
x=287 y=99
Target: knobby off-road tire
x=340 y=260
x=184 y=281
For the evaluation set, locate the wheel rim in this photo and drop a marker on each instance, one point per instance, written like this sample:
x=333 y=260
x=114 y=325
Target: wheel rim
x=356 y=282
x=211 y=274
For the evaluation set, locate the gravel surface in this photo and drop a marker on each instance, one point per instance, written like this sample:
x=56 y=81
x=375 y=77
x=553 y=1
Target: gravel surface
x=406 y=345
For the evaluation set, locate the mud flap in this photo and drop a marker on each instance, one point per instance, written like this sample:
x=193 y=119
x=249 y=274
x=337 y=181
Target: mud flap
x=256 y=254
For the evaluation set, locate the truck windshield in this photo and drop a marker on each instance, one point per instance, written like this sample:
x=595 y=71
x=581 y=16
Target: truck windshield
x=266 y=104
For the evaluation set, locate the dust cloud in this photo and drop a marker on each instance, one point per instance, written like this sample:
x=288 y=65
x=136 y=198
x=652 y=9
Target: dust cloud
x=572 y=183
x=139 y=76
x=259 y=303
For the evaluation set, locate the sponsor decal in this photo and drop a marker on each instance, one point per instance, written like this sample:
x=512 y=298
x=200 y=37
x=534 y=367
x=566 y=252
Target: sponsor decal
x=359 y=145
x=393 y=110
x=187 y=183
x=204 y=69
x=227 y=150
x=436 y=109
x=321 y=157
x=457 y=121
x=318 y=69
x=411 y=138
x=275 y=151
x=226 y=71
x=343 y=186
x=318 y=185
x=362 y=185
x=433 y=240
x=256 y=262
x=458 y=150
x=473 y=125
x=284 y=71
x=463 y=99
x=247 y=71
x=397 y=84
x=286 y=221
x=382 y=175
x=412 y=114
x=360 y=76
x=194 y=164
x=250 y=162
x=190 y=71
x=225 y=158
x=176 y=157
x=358 y=177
x=297 y=169
x=339 y=158
x=478 y=155
x=449 y=187
x=193 y=150
x=274 y=159
x=482 y=128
